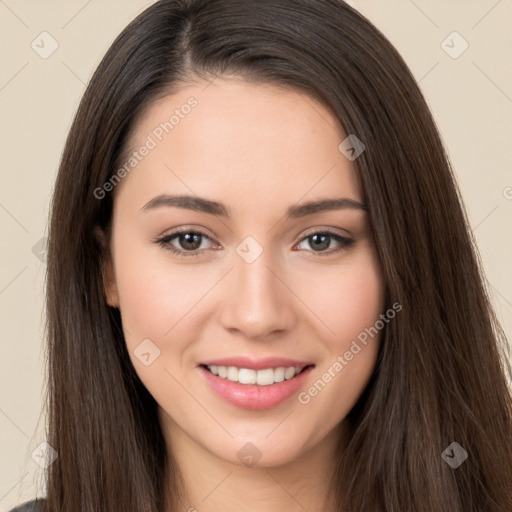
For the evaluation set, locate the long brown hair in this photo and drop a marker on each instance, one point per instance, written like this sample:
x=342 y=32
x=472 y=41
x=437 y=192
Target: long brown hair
x=440 y=376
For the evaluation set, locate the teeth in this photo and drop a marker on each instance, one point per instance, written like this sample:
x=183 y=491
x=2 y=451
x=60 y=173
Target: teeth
x=264 y=377
x=232 y=373
x=279 y=374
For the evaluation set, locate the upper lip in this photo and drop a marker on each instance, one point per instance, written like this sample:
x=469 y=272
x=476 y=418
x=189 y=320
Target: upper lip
x=256 y=364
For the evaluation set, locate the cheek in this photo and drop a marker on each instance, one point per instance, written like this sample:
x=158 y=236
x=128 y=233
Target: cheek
x=145 y=297
x=353 y=305
x=357 y=302
x=156 y=304
x=155 y=295
x=347 y=298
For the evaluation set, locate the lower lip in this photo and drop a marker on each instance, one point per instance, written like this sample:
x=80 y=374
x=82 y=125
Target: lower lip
x=254 y=397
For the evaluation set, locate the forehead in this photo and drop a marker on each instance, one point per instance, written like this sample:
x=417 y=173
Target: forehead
x=248 y=142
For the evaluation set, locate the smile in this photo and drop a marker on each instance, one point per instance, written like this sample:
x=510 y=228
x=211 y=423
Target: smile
x=264 y=377
x=248 y=388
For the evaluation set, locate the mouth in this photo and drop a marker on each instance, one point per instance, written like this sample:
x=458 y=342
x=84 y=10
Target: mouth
x=263 y=377
x=255 y=389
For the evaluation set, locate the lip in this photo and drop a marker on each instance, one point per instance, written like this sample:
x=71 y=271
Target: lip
x=252 y=396
x=256 y=364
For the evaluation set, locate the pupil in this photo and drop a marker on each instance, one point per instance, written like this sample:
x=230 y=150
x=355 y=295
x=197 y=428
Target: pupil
x=188 y=242
x=321 y=245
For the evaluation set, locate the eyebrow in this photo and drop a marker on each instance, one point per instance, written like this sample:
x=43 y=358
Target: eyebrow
x=202 y=205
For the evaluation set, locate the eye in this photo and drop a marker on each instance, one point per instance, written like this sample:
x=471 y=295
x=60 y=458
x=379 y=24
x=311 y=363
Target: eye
x=188 y=239
x=322 y=239
x=191 y=241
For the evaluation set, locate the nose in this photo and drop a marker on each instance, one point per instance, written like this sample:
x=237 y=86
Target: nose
x=258 y=301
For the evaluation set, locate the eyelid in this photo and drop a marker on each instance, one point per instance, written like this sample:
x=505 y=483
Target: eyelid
x=164 y=240
x=315 y=230
x=323 y=229
x=203 y=231
x=345 y=241
x=186 y=229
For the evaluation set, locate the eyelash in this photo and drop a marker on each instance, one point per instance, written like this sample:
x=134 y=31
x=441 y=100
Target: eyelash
x=165 y=242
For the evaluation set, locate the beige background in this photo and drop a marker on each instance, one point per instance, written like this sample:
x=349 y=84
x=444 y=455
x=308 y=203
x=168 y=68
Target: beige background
x=470 y=97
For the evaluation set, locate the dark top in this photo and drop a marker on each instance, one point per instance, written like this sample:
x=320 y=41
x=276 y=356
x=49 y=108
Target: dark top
x=29 y=506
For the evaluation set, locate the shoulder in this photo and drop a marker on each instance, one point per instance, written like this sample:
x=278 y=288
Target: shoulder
x=29 y=506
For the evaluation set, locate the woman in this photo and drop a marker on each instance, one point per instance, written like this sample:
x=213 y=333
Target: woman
x=262 y=290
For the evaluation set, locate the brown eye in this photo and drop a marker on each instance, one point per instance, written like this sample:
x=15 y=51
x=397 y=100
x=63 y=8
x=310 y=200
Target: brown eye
x=188 y=242
x=321 y=240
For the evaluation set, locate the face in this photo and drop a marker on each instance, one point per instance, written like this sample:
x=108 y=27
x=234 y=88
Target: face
x=245 y=326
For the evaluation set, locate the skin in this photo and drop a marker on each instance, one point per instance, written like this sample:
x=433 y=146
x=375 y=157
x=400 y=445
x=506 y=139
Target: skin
x=258 y=149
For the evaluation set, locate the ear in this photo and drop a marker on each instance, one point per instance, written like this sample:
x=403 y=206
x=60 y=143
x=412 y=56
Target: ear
x=107 y=269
